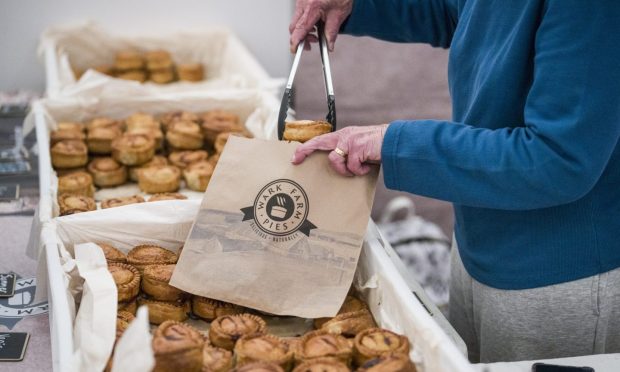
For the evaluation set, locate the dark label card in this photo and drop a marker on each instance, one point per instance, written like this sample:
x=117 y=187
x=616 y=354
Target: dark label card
x=7 y=285
x=8 y=192
x=13 y=346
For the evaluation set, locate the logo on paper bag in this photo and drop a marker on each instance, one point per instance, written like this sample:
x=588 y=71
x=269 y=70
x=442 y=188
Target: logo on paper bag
x=280 y=209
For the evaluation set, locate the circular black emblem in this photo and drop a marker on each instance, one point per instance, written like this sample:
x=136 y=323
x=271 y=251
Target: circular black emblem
x=281 y=207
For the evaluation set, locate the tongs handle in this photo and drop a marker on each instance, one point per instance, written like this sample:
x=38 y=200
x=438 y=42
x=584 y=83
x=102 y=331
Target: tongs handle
x=327 y=75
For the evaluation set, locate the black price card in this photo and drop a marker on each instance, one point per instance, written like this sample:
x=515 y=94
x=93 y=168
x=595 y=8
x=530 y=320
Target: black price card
x=7 y=285
x=13 y=346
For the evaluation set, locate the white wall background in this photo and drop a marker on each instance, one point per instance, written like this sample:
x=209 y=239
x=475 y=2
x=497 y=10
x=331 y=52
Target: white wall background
x=261 y=24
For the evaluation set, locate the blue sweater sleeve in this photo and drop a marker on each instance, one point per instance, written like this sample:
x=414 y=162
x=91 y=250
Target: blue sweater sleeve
x=571 y=128
x=409 y=21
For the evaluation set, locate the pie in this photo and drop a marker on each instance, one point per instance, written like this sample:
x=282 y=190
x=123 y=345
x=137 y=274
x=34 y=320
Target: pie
x=190 y=71
x=227 y=329
x=130 y=306
x=141 y=120
x=67 y=125
x=162 y=178
x=184 y=135
x=375 y=342
x=103 y=122
x=155 y=161
x=184 y=158
x=197 y=175
x=259 y=367
x=127 y=280
x=144 y=255
x=107 y=172
x=78 y=183
x=118 y=202
x=351 y=303
x=216 y=359
x=160 y=311
x=264 y=348
x=155 y=279
x=167 y=196
x=304 y=130
x=128 y=60
x=320 y=344
x=66 y=134
x=213 y=159
x=322 y=365
x=209 y=309
x=174 y=116
x=177 y=347
x=112 y=255
x=69 y=154
x=71 y=204
x=155 y=133
x=218 y=121
x=388 y=363
x=133 y=149
x=99 y=140
x=158 y=60
x=123 y=318
x=105 y=69
x=163 y=76
x=135 y=75
x=351 y=323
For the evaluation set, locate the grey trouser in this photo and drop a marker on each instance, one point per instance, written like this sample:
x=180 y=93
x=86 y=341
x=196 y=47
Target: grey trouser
x=569 y=319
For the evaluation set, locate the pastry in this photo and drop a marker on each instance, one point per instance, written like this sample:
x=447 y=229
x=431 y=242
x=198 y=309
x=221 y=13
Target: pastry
x=69 y=126
x=103 y=122
x=177 y=347
x=105 y=69
x=155 y=161
x=66 y=134
x=141 y=120
x=184 y=158
x=197 y=175
x=158 y=60
x=69 y=154
x=167 y=196
x=388 y=363
x=163 y=76
x=112 y=255
x=350 y=324
x=304 y=130
x=135 y=75
x=218 y=121
x=215 y=359
x=320 y=344
x=128 y=60
x=130 y=306
x=107 y=172
x=64 y=172
x=99 y=140
x=155 y=279
x=213 y=159
x=160 y=311
x=375 y=342
x=174 y=116
x=119 y=202
x=209 y=309
x=162 y=178
x=190 y=71
x=226 y=330
x=350 y=304
x=155 y=133
x=322 y=365
x=133 y=149
x=263 y=348
x=143 y=255
x=71 y=204
x=127 y=280
x=123 y=319
x=79 y=183
x=184 y=135
x=259 y=367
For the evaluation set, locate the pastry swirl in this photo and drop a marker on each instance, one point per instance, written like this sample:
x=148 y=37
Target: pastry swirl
x=157 y=160
x=264 y=348
x=171 y=117
x=142 y=256
x=79 y=183
x=209 y=309
x=99 y=140
x=107 y=172
x=375 y=342
x=321 y=344
x=157 y=179
x=197 y=175
x=118 y=202
x=127 y=280
x=182 y=159
x=71 y=204
x=155 y=283
x=133 y=149
x=184 y=135
x=350 y=324
x=177 y=347
x=154 y=133
x=103 y=122
x=226 y=330
x=216 y=359
x=218 y=121
x=69 y=154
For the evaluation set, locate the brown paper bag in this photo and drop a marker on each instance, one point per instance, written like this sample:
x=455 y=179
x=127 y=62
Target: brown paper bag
x=276 y=237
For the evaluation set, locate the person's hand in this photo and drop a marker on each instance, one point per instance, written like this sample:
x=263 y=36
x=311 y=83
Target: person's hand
x=309 y=12
x=353 y=150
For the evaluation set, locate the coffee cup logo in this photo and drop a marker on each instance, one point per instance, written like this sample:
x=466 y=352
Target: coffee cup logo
x=280 y=208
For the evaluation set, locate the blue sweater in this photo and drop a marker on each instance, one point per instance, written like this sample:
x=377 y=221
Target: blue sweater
x=531 y=159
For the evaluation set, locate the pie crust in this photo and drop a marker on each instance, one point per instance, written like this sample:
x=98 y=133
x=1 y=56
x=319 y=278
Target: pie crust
x=130 y=306
x=184 y=158
x=107 y=172
x=389 y=363
x=264 y=348
x=209 y=309
x=72 y=204
x=167 y=196
x=119 y=202
x=103 y=122
x=184 y=135
x=218 y=121
x=190 y=71
x=162 y=178
x=158 y=60
x=227 y=329
x=259 y=367
x=350 y=304
x=197 y=175
x=155 y=133
x=79 y=183
x=155 y=279
x=127 y=280
x=375 y=342
x=213 y=159
x=67 y=125
x=112 y=255
x=156 y=161
x=66 y=134
x=69 y=154
x=128 y=60
x=133 y=149
x=99 y=140
x=135 y=75
x=144 y=255
x=123 y=318
x=350 y=324
x=160 y=311
x=174 y=116
x=304 y=130
x=177 y=347
x=141 y=120
x=321 y=344
x=216 y=359
x=322 y=365
x=163 y=76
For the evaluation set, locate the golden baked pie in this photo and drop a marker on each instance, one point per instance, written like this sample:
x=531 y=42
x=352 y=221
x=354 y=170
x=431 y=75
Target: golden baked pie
x=144 y=255
x=123 y=318
x=320 y=344
x=127 y=279
x=197 y=175
x=103 y=122
x=209 y=309
x=167 y=196
x=351 y=323
x=184 y=158
x=155 y=283
x=119 y=202
x=162 y=178
x=155 y=161
x=158 y=60
x=107 y=172
x=72 y=204
x=79 y=183
x=190 y=71
x=67 y=125
x=128 y=60
x=304 y=130
x=375 y=342
x=155 y=133
x=112 y=255
x=226 y=330
x=216 y=359
x=69 y=154
x=218 y=121
x=99 y=140
x=350 y=304
x=105 y=69
x=141 y=120
x=64 y=172
x=259 y=367
x=160 y=311
x=130 y=306
x=213 y=159
x=163 y=76
x=133 y=149
x=388 y=363
x=135 y=75
x=264 y=348
x=66 y=134
x=174 y=116
x=184 y=135
x=177 y=347
x=322 y=365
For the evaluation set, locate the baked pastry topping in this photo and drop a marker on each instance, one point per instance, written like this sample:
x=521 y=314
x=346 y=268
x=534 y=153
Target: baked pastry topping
x=155 y=161
x=184 y=158
x=127 y=279
x=69 y=126
x=133 y=149
x=215 y=359
x=213 y=159
x=103 y=122
x=350 y=304
x=107 y=172
x=141 y=120
x=304 y=130
x=161 y=311
x=71 y=204
x=389 y=363
x=197 y=175
x=69 y=154
x=171 y=117
x=118 y=202
x=351 y=323
x=320 y=344
x=177 y=347
x=128 y=60
x=184 y=135
x=135 y=75
x=163 y=76
x=100 y=139
x=226 y=330
x=79 y=183
x=375 y=342
x=66 y=134
x=123 y=318
x=209 y=309
x=157 y=179
x=155 y=281
x=322 y=365
x=130 y=306
x=104 y=69
x=158 y=60
x=190 y=71
x=264 y=348
x=259 y=367
x=112 y=255
x=167 y=196
x=144 y=255
x=218 y=121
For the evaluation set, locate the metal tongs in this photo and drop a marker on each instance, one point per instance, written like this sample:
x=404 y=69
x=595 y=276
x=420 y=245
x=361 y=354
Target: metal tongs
x=329 y=87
